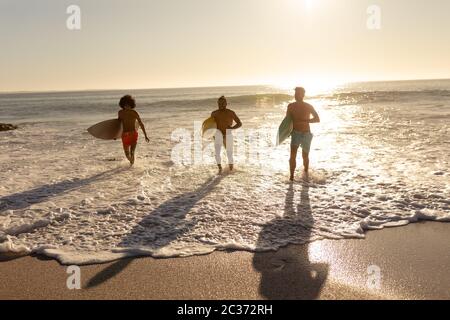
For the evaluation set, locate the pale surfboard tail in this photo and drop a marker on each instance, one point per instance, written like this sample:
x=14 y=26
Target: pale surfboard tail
x=107 y=130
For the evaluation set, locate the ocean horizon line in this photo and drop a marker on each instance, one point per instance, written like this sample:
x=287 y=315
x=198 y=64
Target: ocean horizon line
x=203 y=87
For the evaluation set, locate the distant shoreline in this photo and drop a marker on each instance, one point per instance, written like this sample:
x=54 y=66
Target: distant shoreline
x=199 y=87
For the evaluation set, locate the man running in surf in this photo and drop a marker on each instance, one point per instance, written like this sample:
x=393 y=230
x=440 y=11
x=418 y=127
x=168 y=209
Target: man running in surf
x=224 y=119
x=128 y=116
x=301 y=113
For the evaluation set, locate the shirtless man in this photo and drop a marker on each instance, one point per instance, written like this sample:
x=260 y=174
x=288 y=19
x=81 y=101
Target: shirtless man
x=301 y=113
x=128 y=116
x=224 y=119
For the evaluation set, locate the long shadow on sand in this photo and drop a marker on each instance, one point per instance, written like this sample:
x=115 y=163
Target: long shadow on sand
x=287 y=273
x=8 y=256
x=25 y=199
x=159 y=228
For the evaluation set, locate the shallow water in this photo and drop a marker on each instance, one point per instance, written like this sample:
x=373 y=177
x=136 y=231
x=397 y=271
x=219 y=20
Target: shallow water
x=379 y=159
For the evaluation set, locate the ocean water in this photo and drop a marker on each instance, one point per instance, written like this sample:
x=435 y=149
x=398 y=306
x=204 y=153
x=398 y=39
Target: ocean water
x=379 y=158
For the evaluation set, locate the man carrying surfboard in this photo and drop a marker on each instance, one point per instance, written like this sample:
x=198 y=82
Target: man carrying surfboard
x=300 y=112
x=128 y=116
x=224 y=119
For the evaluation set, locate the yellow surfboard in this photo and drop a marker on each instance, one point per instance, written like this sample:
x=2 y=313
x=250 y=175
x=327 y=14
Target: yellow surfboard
x=209 y=128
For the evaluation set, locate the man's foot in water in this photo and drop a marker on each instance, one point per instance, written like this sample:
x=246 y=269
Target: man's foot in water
x=305 y=176
x=231 y=167
x=220 y=168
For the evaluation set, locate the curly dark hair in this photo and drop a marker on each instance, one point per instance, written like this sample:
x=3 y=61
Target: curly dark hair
x=127 y=101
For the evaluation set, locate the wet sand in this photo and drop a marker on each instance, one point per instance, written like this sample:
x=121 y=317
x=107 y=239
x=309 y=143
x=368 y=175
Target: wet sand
x=412 y=261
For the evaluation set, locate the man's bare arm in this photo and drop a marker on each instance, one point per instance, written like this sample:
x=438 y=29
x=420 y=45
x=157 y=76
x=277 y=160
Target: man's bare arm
x=237 y=120
x=315 y=118
x=288 y=111
x=141 y=124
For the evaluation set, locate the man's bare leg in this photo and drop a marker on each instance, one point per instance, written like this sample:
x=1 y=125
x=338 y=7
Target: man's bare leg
x=127 y=152
x=305 y=156
x=293 y=161
x=133 y=149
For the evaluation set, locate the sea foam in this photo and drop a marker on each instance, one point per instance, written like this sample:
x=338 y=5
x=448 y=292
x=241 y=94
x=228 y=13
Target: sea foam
x=74 y=198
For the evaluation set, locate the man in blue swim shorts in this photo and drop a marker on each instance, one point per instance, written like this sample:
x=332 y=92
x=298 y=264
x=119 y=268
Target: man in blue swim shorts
x=302 y=115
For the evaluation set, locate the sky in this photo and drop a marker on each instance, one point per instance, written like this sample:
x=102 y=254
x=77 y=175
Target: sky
x=131 y=44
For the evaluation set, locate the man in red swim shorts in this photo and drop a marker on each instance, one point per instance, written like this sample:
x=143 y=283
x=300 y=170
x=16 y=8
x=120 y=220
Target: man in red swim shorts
x=128 y=116
x=129 y=139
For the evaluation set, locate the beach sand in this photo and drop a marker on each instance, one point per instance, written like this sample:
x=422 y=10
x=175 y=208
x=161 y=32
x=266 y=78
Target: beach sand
x=413 y=263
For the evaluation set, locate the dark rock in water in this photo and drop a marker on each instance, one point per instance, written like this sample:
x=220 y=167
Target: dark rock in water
x=6 y=127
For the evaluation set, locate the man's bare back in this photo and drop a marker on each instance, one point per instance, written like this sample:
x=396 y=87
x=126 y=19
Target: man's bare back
x=224 y=119
x=129 y=117
x=301 y=113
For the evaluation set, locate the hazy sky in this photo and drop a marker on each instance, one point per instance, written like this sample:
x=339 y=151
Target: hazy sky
x=179 y=43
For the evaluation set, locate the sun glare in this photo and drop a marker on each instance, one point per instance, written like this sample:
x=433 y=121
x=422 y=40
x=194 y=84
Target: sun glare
x=307 y=5
x=312 y=86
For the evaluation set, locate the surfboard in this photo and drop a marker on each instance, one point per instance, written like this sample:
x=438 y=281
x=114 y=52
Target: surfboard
x=107 y=130
x=285 y=130
x=209 y=127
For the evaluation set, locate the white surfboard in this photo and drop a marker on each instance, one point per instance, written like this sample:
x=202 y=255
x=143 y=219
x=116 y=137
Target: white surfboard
x=107 y=130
